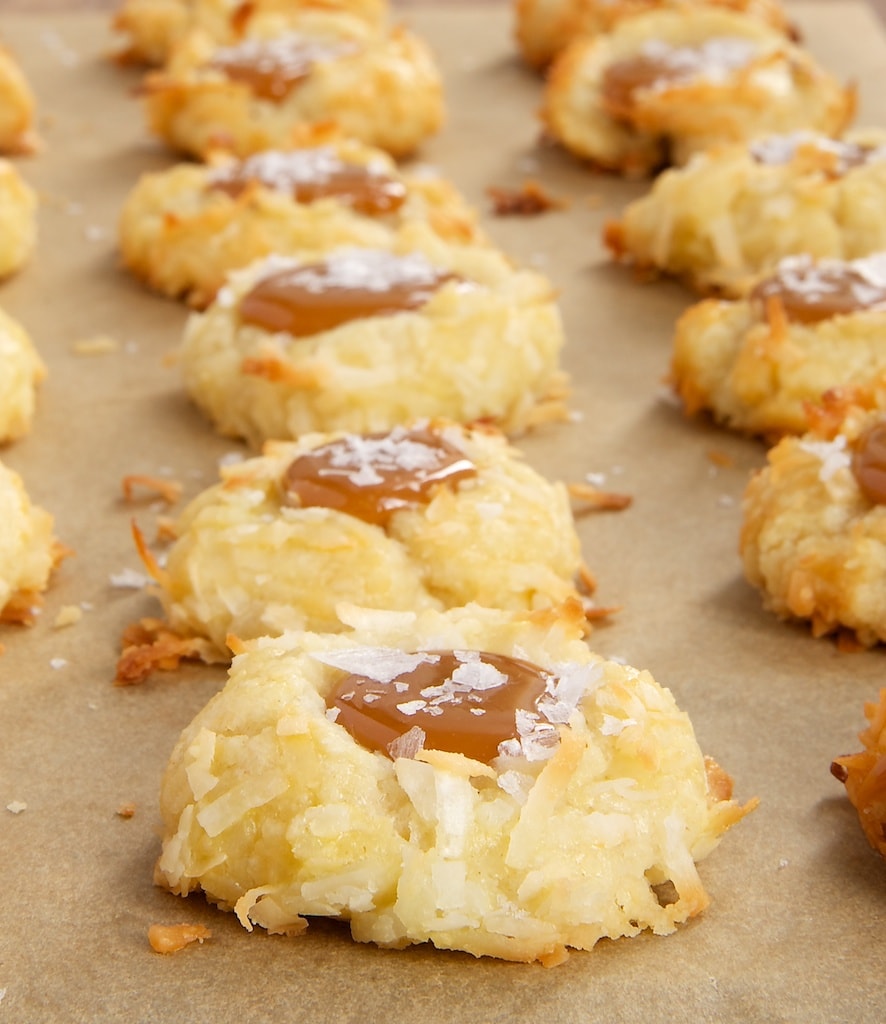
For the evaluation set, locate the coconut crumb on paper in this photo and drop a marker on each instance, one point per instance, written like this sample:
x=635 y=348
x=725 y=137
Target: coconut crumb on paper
x=170 y=938
x=16 y=806
x=68 y=615
x=594 y=499
x=58 y=663
x=529 y=200
x=99 y=345
x=169 y=490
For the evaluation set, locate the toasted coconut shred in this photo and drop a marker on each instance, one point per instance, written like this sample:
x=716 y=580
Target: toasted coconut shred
x=587 y=824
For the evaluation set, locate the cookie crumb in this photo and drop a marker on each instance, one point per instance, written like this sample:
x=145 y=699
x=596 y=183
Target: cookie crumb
x=170 y=938
x=68 y=615
x=529 y=200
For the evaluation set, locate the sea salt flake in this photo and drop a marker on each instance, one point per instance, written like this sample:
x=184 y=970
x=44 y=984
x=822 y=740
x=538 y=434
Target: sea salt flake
x=129 y=579
x=833 y=455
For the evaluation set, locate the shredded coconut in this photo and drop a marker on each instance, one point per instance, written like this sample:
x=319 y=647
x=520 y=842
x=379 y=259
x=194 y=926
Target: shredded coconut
x=380 y=664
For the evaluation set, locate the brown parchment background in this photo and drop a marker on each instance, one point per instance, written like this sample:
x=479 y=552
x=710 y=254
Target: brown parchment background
x=797 y=927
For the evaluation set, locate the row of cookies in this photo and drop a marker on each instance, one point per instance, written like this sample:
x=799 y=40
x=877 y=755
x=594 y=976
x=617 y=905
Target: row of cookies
x=401 y=590
x=771 y=204
x=29 y=550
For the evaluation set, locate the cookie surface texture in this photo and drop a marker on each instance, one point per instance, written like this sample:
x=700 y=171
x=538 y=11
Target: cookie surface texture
x=575 y=831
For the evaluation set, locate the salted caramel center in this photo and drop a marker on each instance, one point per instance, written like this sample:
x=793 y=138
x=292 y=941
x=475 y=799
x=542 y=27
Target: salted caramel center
x=812 y=291
x=465 y=702
x=372 y=476
x=311 y=174
x=869 y=463
x=348 y=285
x=659 y=66
x=271 y=68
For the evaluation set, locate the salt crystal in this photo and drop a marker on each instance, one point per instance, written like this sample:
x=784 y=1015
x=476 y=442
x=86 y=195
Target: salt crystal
x=129 y=579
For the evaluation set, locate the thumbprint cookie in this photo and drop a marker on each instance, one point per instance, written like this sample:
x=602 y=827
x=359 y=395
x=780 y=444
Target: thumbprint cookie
x=864 y=775
x=427 y=516
x=756 y=363
x=382 y=88
x=545 y=27
x=184 y=229
x=665 y=85
x=474 y=779
x=365 y=339
x=28 y=551
x=813 y=538
x=153 y=27
x=732 y=213
x=21 y=370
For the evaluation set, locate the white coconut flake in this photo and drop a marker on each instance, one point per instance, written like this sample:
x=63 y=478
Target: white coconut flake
x=16 y=806
x=58 y=663
x=407 y=745
x=613 y=726
x=380 y=664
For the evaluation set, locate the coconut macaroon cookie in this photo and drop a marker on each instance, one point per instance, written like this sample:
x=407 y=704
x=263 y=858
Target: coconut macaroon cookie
x=17 y=107
x=153 y=27
x=365 y=339
x=21 y=370
x=664 y=85
x=732 y=213
x=813 y=538
x=28 y=550
x=182 y=230
x=429 y=516
x=545 y=27
x=381 y=87
x=864 y=775
x=18 y=219
x=474 y=779
x=756 y=363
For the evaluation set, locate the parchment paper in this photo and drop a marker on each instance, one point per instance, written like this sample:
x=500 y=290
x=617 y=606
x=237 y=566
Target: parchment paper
x=797 y=927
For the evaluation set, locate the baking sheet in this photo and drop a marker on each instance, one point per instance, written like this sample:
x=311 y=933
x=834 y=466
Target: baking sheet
x=797 y=926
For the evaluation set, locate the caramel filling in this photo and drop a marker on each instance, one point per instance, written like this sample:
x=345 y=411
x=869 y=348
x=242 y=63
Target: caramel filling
x=659 y=66
x=372 y=476
x=311 y=174
x=465 y=702
x=349 y=285
x=271 y=68
x=869 y=463
x=810 y=292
